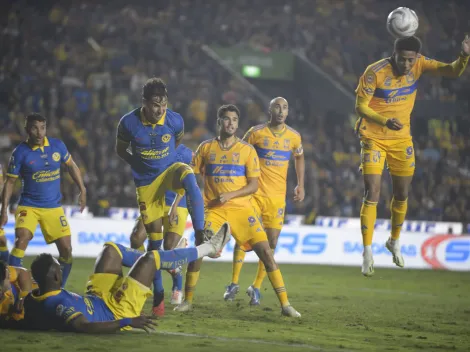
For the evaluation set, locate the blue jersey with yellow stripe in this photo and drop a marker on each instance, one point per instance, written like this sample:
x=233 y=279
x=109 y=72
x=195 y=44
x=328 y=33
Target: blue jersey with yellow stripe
x=152 y=145
x=39 y=169
x=65 y=306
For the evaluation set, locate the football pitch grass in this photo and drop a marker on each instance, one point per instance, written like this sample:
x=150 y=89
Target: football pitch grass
x=396 y=310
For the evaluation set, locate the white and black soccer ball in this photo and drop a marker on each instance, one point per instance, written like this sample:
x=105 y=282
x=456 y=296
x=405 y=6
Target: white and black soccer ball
x=402 y=22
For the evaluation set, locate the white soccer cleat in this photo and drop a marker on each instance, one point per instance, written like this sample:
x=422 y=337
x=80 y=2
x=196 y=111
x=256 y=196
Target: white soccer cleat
x=396 y=252
x=176 y=297
x=367 y=265
x=289 y=311
x=184 y=307
x=219 y=240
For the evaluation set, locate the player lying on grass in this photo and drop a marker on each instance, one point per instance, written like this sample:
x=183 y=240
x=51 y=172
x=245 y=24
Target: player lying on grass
x=15 y=284
x=111 y=302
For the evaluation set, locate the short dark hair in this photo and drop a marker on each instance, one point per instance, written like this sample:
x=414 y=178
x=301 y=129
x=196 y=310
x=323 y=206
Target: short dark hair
x=34 y=117
x=229 y=107
x=40 y=268
x=3 y=269
x=154 y=87
x=408 y=44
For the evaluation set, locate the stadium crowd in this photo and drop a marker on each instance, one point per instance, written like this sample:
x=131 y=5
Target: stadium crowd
x=83 y=64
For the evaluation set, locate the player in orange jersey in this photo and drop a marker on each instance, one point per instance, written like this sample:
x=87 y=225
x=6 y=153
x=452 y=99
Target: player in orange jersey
x=274 y=142
x=384 y=101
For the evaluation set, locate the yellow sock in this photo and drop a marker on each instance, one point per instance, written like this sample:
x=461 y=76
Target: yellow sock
x=260 y=275
x=399 y=208
x=278 y=285
x=191 y=280
x=141 y=248
x=238 y=258
x=368 y=217
x=2 y=249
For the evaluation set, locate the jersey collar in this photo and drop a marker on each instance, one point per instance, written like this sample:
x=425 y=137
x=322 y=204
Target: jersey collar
x=278 y=134
x=46 y=295
x=160 y=122
x=46 y=144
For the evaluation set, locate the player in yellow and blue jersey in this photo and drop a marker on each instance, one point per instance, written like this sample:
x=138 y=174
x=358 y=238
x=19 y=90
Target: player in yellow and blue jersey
x=3 y=241
x=111 y=302
x=174 y=224
x=274 y=142
x=37 y=161
x=15 y=285
x=152 y=133
x=385 y=98
x=230 y=169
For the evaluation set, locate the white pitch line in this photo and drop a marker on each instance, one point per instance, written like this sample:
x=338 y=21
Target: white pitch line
x=259 y=342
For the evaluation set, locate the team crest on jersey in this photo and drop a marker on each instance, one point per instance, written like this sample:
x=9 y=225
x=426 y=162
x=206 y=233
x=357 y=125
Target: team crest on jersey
x=252 y=220
x=410 y=77
x=388 y=81
x=56 y=156
x=276 y=144
x=166 y=138
x=223 y=159
x=235 y=158
x=59 y=310
x=370 y=77
x=266 y=142
x=212 y=157
x=286 y=143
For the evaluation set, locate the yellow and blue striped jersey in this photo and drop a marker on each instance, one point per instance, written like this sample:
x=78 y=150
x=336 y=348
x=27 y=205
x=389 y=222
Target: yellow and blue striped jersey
x=274 y=151
x=225 y=170
x=39 y=169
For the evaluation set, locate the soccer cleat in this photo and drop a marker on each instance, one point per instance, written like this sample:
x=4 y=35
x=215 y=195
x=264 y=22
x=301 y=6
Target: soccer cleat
x=176 y=297
x=231 y=292
x=159 y=311
x=254 y=295
x=219 y=240
x=184 y=307
x=396 y=252
x=367 y=265
x=289 y=311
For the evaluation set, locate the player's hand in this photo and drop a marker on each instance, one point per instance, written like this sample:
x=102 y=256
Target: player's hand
x=466 y=45
x=173 y=215
x=394 y=124
x=82 y=200
x=144 y=322
x=225 y=197
x=299 y=193
x=3 y=219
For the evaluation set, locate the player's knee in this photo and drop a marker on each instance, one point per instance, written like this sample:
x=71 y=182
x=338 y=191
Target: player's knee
x=372 y=191
x=136 y=240
x=3 y=241
x=400 y=194
x=22 y=238
x=273 y=242
x=171 y=241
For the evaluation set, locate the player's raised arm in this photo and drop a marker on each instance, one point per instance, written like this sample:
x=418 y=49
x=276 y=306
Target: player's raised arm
x=81 y=324
x=454 y=69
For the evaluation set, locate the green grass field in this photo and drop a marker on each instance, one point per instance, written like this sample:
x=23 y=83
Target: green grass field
x=397 y=310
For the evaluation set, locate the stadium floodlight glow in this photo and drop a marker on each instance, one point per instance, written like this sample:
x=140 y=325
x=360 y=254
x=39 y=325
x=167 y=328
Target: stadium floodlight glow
x=251 y=71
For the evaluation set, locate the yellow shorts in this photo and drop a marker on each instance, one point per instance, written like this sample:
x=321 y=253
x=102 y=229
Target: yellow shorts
x=151 y=198
x=245 y=224
x=125 y=297
x=399 y=154
x=271 y=210
x=180 y=224
x=53 y=223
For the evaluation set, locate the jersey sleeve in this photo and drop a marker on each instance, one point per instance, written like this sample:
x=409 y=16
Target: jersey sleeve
x=64 y=310
x=179 y=128
x=252 y=164
x=367 y=85
x=454 y=69
x=297 y=148
x=14 y=166
x=198 y=160
x=65 y=156
x=249 y=137
x=123 y=132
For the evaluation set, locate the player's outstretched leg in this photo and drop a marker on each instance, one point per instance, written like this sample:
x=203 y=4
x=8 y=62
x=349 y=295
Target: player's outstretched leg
x=265 y=253
x=368 y=217
x=176 y=274
x=238 y=259
x=212 y=244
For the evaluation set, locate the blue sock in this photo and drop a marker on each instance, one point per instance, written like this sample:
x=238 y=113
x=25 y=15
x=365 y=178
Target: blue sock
x=194 y=201
x=16 y=257
x=66 y=266
x=155 y=245
x=4 y=254
x=129 y=255
x=178 y=281
x=177 y=257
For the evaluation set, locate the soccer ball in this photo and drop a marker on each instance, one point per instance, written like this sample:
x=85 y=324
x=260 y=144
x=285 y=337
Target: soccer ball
x=402 y=22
